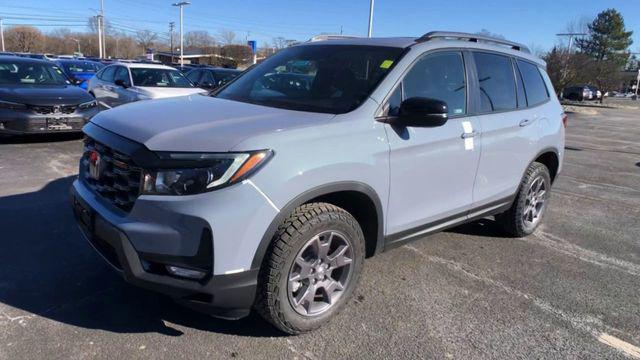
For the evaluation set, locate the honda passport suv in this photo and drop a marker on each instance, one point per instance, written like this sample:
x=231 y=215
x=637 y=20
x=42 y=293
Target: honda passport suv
x=270 y=193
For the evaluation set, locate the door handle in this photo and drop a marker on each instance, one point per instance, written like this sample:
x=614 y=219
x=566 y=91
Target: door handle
x=525 y=122
x=467 y=135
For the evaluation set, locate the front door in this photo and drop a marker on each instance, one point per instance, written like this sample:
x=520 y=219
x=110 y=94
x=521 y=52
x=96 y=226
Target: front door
x=432 y=168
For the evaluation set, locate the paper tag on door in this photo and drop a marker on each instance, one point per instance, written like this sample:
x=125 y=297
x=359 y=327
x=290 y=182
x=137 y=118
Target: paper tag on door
x=468 y=129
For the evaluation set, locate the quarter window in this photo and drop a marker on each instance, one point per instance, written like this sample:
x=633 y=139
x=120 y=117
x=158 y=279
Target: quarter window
x=497 y=83
x=439 y=76
x=533 y=83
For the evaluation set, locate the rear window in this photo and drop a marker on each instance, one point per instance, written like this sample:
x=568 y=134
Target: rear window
x=497 y=82
x=81 y=67
x=534 y=85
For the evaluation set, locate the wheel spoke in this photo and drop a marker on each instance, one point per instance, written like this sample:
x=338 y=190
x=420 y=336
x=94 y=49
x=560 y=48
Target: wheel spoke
x=305 y=298
x=338 y=258
x=329 y=287
x=322 y=247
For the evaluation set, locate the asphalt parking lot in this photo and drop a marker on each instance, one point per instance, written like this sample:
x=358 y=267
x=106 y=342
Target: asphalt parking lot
x=571 y=290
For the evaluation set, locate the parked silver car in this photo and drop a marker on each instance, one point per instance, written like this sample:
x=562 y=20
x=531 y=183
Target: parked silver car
x=123 y=83
x=270 y=193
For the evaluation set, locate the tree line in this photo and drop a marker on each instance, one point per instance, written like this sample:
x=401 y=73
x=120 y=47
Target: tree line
x=598 y=58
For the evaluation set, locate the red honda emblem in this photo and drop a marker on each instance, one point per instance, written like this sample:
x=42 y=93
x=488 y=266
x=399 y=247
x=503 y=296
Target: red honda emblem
x=95 y=164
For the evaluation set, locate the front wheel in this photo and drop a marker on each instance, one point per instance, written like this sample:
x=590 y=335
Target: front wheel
x=530 y=203
x=311 y=269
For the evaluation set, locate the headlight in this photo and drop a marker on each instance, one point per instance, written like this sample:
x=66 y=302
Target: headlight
x=88 y=104
x=11 y=105
x=201 y=172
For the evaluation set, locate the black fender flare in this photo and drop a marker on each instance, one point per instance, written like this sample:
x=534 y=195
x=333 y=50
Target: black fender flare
x=312 y=194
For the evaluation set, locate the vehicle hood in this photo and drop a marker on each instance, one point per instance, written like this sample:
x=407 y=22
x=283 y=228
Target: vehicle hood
x=44 y=95
x=200 y=123
x=161 y=93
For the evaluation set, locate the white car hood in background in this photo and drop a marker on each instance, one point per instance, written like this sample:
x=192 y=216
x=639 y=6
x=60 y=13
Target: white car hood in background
x=199 y=123
x=165 y=92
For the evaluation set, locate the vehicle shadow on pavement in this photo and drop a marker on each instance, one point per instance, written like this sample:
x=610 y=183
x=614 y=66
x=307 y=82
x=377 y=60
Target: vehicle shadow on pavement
x=48 y=269
x=39 y=138
x=482 y=227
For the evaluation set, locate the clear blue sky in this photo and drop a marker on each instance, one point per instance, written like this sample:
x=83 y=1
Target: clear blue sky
x=530 y=22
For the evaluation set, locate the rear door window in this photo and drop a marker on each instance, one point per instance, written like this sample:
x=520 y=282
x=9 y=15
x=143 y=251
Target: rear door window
x=497 y=82
x=439 y=76
x=534 y=86
x=123 y=74
x=108 y=73
x=194 y=76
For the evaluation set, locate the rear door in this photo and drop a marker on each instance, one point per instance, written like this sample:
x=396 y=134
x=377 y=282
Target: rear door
x=123 y=94
x=432 y=168
x=509 y=132
x=102 y=89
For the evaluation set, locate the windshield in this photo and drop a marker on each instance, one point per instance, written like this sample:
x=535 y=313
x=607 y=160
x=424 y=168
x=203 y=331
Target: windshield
x=16 y=72
x=318 y=78
x=81 y=67
x=159 y=78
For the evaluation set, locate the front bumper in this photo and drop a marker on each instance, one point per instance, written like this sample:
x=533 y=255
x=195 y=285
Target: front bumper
x=225 y=295
x=25 y=122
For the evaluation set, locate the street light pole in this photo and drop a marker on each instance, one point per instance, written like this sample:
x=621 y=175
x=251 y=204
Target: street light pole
x=99 y=18
x=370 y=18
x=104 y=33
x=172 y=26
x=181 y=5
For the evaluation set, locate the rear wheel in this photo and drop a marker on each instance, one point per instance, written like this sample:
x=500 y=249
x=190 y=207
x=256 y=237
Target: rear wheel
x=311 y=269
x=530 y=204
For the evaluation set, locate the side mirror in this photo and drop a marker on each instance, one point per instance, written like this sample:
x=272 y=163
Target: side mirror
x=422 y=112
x=121 y=82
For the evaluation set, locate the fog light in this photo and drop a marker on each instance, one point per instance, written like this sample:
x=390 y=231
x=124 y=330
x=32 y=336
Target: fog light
x=186 y=273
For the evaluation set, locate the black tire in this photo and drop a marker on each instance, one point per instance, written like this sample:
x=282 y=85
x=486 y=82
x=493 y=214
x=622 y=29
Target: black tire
x=513 y=220
x=306 y=221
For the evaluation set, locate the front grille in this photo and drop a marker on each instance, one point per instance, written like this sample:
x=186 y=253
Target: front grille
x=118 y=178
x=54 y=109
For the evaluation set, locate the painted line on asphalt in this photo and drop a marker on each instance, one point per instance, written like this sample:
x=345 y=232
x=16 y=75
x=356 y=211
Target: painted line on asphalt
x=584 y=323
x=621 y=345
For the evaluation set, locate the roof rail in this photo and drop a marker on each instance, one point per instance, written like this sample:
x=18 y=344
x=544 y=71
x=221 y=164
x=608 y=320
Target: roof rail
x=473 y=38
x=331 y=37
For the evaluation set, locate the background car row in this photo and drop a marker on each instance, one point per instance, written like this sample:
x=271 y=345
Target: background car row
x=40 y=93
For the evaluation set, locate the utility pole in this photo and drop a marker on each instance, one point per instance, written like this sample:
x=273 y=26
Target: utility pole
x=99 y=19
x=104 y=35
x=181 y=5
x=566 y=63
x=571 y=37
x=172 y=26
x=370 y=17
x=2 y=34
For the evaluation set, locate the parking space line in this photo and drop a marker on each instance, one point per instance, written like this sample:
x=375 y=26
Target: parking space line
x=620 y=345
x=583 y=323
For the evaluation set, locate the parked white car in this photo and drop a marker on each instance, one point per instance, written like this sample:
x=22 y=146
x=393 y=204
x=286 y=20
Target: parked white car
x=123 y=83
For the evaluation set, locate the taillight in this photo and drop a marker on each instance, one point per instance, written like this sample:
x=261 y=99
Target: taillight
x=565 y=119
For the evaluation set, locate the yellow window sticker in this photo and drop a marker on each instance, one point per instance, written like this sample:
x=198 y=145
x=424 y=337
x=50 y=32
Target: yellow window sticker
x=386 y=64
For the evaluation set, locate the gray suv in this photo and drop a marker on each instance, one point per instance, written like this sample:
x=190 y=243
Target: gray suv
x=270 y=193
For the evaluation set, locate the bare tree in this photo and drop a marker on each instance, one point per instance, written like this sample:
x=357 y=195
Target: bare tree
x=24 y=39
x=146 y=38
x=227 y=37
x=198 y=39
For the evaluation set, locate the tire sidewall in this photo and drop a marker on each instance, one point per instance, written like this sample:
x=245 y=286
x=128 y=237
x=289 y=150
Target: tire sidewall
x=319 y=224
x=539 y=170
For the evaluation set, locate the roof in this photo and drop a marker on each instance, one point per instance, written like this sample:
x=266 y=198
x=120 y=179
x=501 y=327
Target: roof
x=144 y=65
x=444 y=38
x=21 y=59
